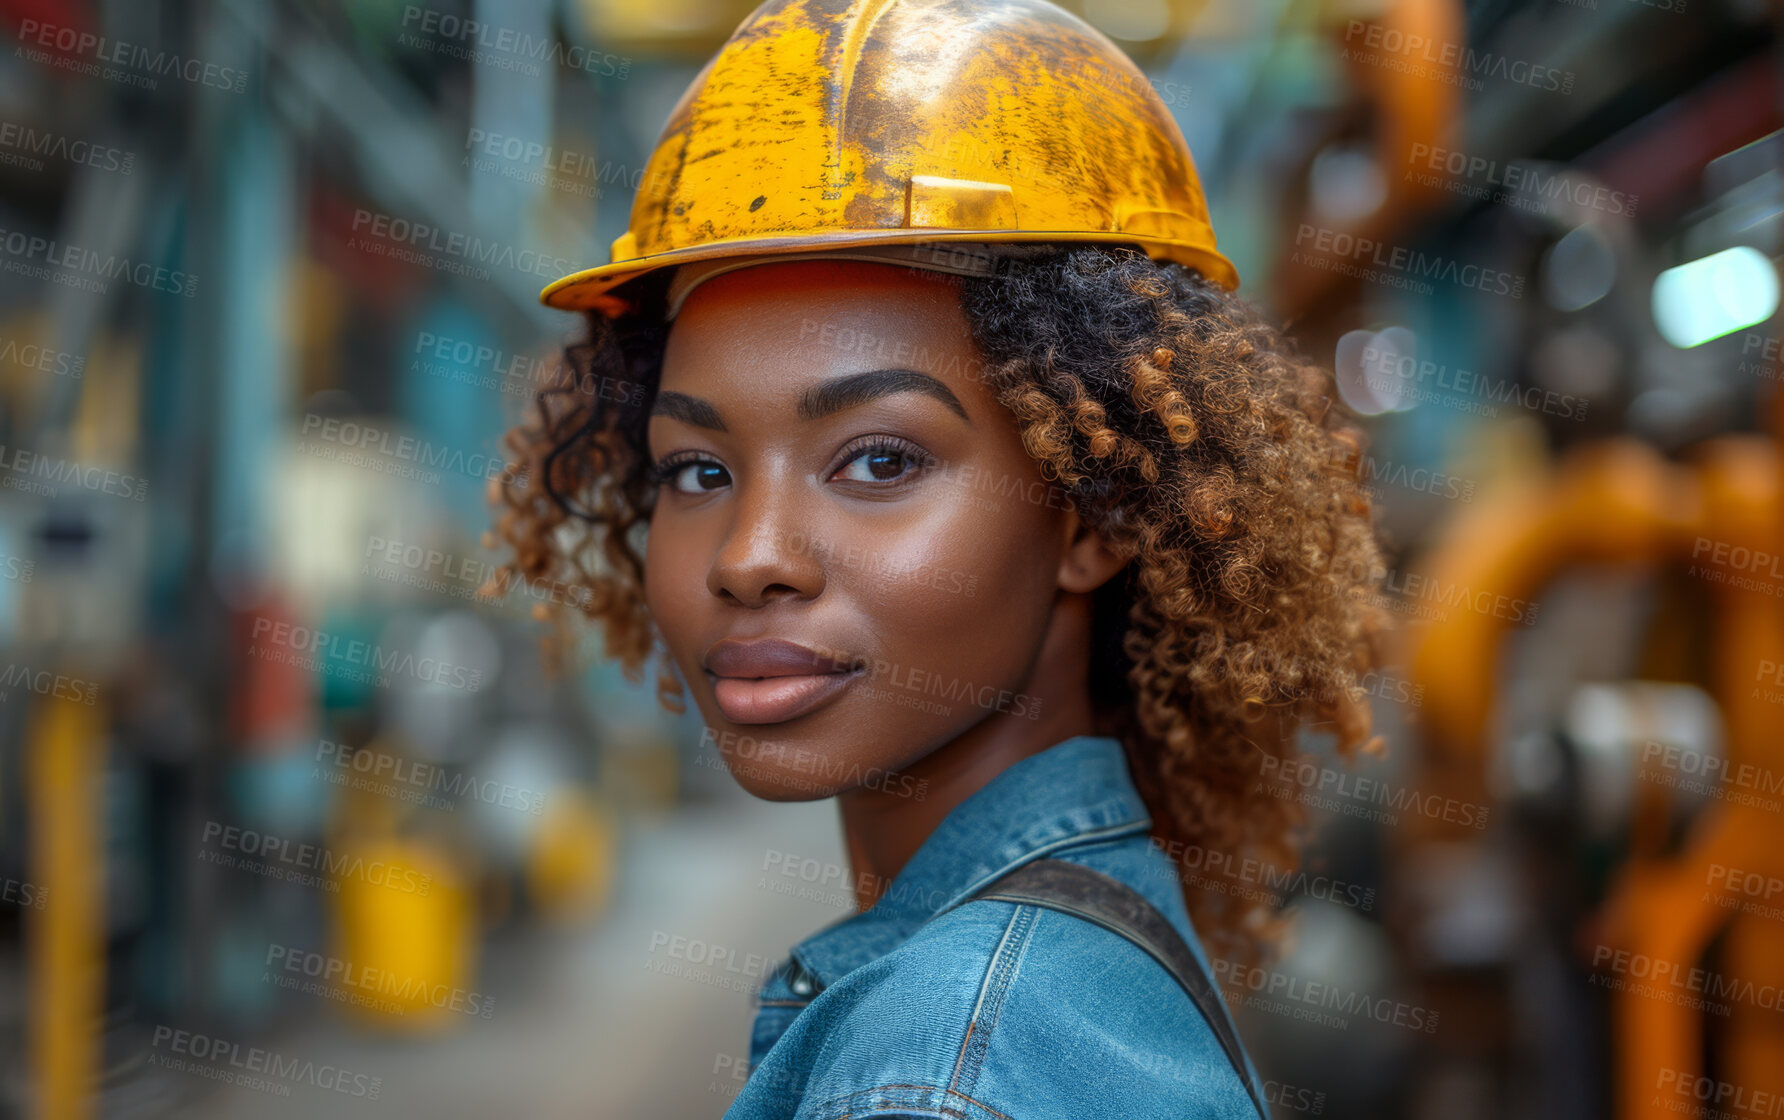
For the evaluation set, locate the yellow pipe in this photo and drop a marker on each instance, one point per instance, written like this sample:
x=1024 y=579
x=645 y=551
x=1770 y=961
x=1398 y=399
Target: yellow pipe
x=1620 y=502
x=64 y=940
x=1617 y=501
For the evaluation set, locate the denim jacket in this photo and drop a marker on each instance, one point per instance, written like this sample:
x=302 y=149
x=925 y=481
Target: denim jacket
x=996 y=1010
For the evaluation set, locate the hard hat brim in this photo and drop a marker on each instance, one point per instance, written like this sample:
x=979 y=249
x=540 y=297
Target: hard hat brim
x=592 y=289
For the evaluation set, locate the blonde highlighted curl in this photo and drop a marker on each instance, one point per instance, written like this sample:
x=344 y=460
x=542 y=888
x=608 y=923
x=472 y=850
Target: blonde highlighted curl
x=1186 y=430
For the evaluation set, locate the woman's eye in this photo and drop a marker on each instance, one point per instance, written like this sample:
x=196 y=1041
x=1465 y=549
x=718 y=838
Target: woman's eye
x=877 y=464
x=695 y=476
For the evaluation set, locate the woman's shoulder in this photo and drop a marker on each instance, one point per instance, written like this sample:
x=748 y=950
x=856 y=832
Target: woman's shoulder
x=1024 y=1013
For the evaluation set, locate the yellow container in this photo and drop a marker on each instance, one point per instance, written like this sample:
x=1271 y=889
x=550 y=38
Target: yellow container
x=407 y=936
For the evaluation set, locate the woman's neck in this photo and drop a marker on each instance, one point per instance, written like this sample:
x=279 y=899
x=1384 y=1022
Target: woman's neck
x=883 y=827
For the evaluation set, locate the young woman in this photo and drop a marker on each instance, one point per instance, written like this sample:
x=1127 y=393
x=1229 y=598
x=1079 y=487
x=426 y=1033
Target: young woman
x=1017 y=534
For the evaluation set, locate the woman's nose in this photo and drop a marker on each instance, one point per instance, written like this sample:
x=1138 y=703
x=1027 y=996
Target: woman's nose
x=768 y=550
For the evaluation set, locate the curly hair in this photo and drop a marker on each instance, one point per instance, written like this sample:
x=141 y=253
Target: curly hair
x=1186 y=430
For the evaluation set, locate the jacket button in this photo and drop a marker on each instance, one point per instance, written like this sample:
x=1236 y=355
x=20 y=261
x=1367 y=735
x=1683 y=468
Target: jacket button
x=800 y=982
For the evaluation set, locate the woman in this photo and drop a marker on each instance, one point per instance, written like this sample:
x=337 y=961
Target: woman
x=974 y=500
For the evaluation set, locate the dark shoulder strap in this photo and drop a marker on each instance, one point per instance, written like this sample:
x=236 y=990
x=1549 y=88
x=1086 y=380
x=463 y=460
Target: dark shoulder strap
x=1078 y=890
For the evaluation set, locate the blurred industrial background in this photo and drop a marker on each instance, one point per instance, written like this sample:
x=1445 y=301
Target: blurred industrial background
x=294 y=824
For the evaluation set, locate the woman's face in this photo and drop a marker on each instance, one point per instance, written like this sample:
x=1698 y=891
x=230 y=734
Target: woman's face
x=839 y=477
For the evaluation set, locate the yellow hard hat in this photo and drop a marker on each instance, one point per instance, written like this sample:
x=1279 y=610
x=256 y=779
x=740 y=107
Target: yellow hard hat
x=822 y=125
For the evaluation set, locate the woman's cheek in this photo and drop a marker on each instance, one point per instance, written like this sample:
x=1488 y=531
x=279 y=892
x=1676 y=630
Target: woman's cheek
x=966 y=595
x=917 y=575
x=670 y=584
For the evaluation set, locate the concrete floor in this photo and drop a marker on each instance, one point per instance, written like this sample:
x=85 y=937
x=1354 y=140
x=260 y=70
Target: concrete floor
x=587 y=1025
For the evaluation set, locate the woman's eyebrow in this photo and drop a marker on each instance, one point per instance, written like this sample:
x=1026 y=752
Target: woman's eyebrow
x=819 y=401
x=839 y=393
x=689 y=410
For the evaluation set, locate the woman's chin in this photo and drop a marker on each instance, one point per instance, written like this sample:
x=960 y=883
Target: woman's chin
x=787 y=766
x=773 y=781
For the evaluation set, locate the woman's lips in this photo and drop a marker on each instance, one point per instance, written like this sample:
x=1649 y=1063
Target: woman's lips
x=770 y=680
x=776 y=699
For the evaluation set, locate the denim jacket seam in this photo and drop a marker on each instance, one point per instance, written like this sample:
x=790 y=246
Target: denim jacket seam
x=1000 y=973
x=1089 y=836
x=894 y=1091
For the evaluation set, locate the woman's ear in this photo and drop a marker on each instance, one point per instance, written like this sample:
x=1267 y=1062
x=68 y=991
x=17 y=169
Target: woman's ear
x=1088 y=562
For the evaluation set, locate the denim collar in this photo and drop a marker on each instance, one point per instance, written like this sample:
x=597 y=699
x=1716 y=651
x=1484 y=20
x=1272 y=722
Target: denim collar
x=1074 y=791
